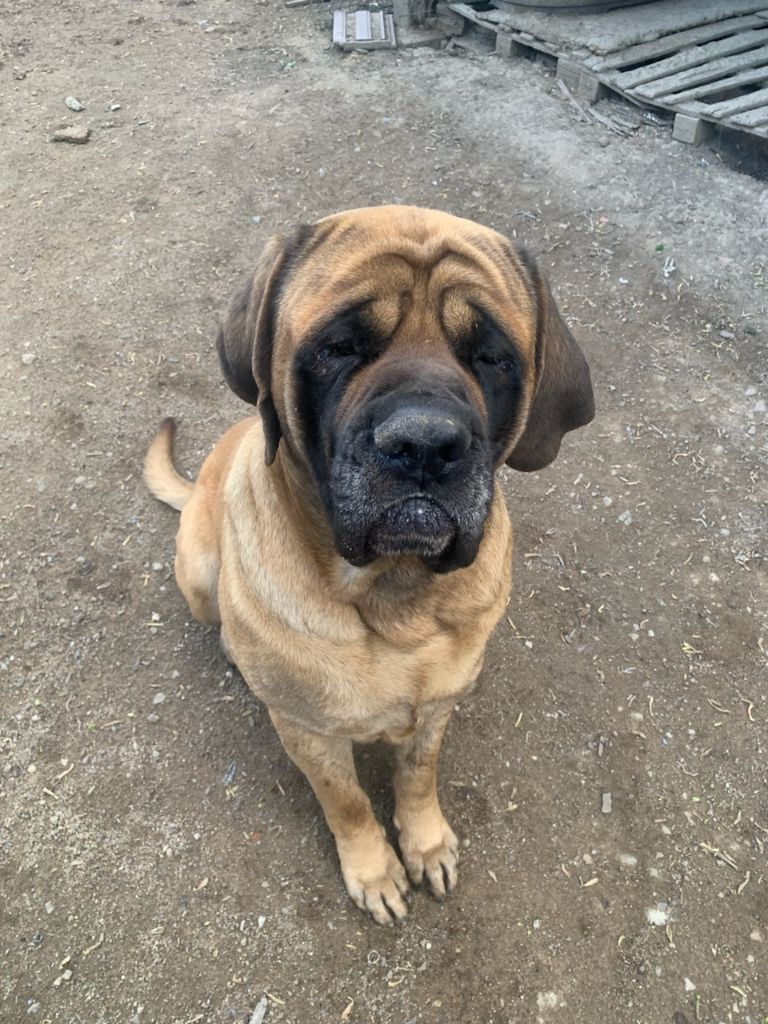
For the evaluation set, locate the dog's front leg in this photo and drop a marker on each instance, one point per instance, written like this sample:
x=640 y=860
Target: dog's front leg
x=427 y=842
x=372 y=872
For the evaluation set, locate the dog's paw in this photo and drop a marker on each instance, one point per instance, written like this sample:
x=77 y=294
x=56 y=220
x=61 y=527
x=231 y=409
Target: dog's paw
x=375 y=879
x=430 y=850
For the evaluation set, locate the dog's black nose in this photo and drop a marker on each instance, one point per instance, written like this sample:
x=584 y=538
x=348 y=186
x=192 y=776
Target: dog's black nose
x=421 y=440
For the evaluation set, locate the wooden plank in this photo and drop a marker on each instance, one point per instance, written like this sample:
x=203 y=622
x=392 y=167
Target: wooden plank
x=739 y=104
x=751 y=119
x=721 y=85
x=469 y=13
x=725 y=108
x=389 y=29
x=692 y=57
x=339 y=27
x=362 y=26
x=686 y=80
x=672 y=43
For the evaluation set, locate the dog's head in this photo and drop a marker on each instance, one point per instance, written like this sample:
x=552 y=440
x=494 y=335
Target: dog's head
x=402 y=355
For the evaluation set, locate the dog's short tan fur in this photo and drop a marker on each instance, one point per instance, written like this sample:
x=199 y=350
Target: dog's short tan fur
x=340 y=653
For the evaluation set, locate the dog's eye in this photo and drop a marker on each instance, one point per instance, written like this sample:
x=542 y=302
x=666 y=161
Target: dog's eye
x=338 y=348
x=498 y=361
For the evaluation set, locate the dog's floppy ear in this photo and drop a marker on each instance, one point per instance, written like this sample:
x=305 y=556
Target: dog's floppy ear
x=562 y=398
x=246 y=337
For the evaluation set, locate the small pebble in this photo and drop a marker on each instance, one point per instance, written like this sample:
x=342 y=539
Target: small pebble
x=689 y=986
x=159 y=698
x=74 y=135
x=74 y=104
x=547 y=1000
x=49 y=908
x=659 y=916
x=607 y=803
x=28 y=358
x=153 y=718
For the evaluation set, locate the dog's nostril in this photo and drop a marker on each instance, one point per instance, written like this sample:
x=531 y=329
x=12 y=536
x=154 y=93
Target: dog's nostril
x=452 y=451
x=406 y=451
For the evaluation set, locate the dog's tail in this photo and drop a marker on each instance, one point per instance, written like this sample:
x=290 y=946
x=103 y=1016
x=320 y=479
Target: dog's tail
x=160 y=474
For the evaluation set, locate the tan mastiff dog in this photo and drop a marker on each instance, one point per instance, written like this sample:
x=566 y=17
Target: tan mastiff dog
x=350 y=540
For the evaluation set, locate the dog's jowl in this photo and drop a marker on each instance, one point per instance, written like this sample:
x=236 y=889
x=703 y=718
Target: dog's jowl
x=349 y=539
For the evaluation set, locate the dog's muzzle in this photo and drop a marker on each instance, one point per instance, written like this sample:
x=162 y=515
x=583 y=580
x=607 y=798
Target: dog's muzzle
x=412 y=477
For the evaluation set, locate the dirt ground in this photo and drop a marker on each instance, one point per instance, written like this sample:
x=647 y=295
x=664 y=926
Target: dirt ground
x=161 y=861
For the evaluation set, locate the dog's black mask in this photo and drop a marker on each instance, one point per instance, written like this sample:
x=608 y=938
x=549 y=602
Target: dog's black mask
x=408 y=468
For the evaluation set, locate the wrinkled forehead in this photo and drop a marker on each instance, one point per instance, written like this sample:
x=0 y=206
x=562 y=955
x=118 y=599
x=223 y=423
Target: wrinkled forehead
x=398 y=262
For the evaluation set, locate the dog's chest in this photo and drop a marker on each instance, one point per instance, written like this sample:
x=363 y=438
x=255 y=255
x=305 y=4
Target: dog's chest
x=357 y=657
x=367 y=674
x=384 y=693
x=405 y=656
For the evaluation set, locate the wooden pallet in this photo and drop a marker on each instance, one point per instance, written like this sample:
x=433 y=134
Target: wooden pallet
x=363 y=30
x=711 y=74
x=715 y=74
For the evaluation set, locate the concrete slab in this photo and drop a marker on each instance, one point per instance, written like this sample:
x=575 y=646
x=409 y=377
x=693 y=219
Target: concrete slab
x=603 y=33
